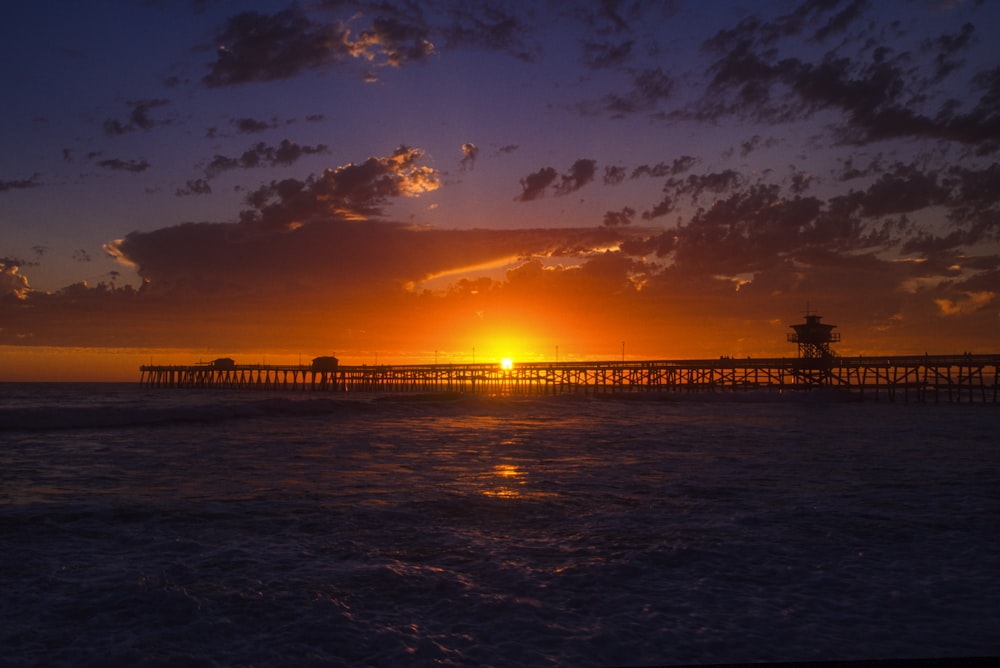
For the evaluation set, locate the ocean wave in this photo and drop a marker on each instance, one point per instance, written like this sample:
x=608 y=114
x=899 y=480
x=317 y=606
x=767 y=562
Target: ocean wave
x=62 y=417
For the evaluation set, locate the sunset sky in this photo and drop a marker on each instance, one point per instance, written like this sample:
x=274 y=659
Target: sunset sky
x=405 y=181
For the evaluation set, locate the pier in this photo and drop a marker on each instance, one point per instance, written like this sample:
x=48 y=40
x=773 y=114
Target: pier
x=963 y=378
x=925 y=378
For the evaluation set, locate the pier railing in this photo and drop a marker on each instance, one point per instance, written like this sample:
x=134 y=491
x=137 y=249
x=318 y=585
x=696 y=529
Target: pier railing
x=926 y=378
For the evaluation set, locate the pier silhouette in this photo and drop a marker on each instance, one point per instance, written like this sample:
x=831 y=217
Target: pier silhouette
x=926 y=378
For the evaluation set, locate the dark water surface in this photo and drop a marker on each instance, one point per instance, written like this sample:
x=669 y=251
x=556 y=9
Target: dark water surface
x=173 y=528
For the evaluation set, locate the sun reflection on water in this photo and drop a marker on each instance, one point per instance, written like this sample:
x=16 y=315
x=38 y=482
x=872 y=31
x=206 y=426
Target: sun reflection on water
x=504 y=480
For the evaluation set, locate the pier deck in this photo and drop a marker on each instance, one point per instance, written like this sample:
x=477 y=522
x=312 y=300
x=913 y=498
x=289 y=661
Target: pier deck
x=926 y=378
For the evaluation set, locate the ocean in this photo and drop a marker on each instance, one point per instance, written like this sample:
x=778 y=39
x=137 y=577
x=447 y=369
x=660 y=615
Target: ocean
x=214 y=528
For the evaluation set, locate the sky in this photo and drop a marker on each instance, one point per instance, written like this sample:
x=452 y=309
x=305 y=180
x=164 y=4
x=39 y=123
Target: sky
x=397 y=181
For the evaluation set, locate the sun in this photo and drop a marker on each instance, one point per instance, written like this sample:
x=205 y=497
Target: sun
x=506 y=364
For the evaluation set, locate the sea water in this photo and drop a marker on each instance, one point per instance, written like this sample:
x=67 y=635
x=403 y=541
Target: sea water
x=212 y=528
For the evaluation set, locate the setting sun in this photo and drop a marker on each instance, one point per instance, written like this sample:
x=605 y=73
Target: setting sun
x=506 y=364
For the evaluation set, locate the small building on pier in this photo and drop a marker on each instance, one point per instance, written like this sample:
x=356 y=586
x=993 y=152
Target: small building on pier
x=326 y=363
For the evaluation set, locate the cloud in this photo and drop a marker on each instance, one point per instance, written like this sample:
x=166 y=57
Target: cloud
x=606 y=55
x=261 y=47
x=750 y=145
x=252 y=125
x=116 y=164
x=194 y=187
x=351 y=191
x=650 y=87
x=469 y=154
x=491 y=27
x=138 y=119
x=20 y=184
x=948 y=47
x=697 y=184
x=677 y=166
x=665 y=206
x=533 y=185
x=580 y=174
x=968 y=303
x=613 y=175
x=353 y=282
x=616 y=218
x=903 y=190
x=801 y=181
x=873 y=88
x=263 y=155
x=256 y=47
x=12 y=284
x=325 y=256
x=398 y=39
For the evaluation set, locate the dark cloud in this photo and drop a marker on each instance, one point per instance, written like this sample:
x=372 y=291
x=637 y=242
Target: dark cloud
x=116 y=164
x=138 y=119
x=20 y=184
x=756 y=142
x=263 y=155
x=469 y=154
x=677 y=166
x=81 y=255
x=849 y=171
x=491 y=27
x=617 y=218
x=873 y=88
x=840 y=22
x=903 y=190
x=613 y=175
x=757 y=233
x=14 y=262
x=948 y=47
x=650 y=87
x=13 y=285
x=325 y=257
x=697 y=184
x=195 y=187
x=261 y=47
x=800 y=182
x=665 y=206
x=398 y=39
x=252 y=125
x=606 y=55
x=533 y=185
x=351 y=191
x=580 y=174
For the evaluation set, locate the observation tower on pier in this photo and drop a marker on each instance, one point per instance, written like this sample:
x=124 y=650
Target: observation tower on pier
x=814 y=338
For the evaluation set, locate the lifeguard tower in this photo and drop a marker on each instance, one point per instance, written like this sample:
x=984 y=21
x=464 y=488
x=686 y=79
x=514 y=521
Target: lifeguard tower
x=814 y=338
x=812 y=368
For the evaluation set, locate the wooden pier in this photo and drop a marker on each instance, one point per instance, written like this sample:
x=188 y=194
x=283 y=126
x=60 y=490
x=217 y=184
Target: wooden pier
x=925 y=379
